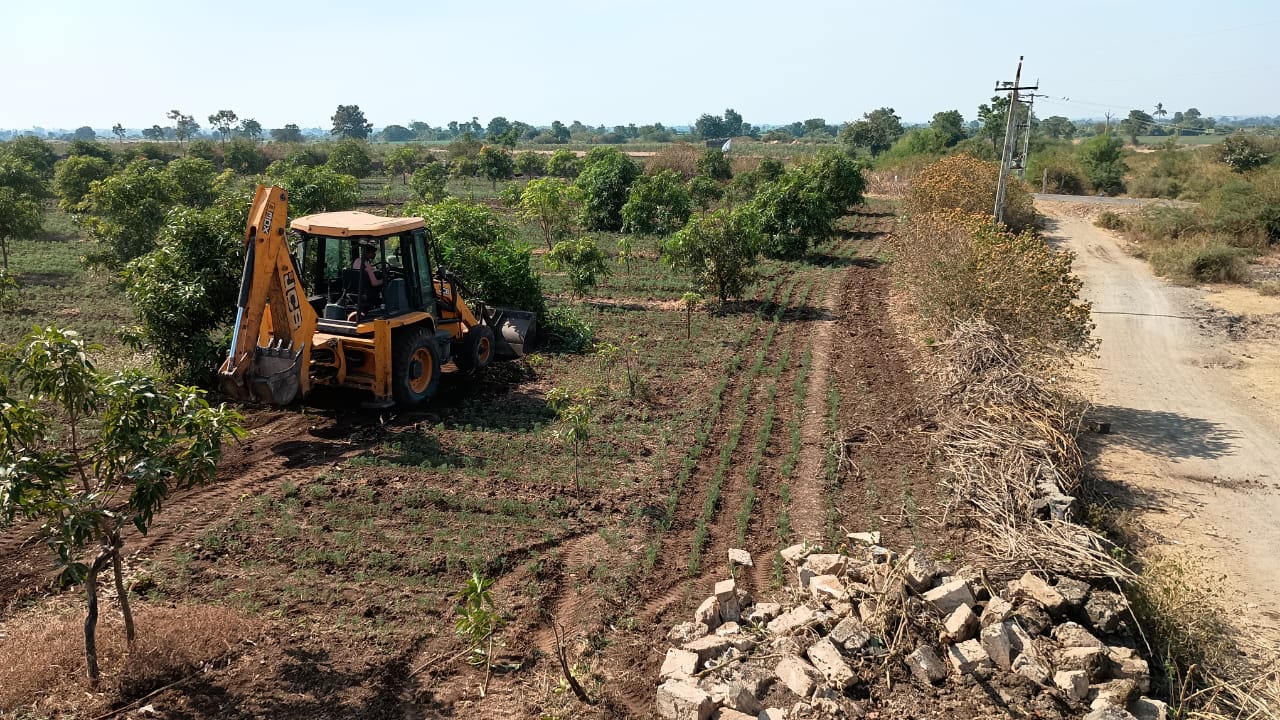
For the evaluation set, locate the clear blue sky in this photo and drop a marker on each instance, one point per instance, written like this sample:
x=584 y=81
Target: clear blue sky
x=70 y=63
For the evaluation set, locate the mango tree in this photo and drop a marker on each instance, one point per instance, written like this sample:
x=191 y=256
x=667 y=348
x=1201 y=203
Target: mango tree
x=87 y=454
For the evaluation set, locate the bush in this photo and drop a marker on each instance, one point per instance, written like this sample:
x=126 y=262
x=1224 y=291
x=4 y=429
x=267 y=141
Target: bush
x=1103 y=168
x=531 y=164
x=1249 y=210
x=184 y=291
x=73 y=176
x=605 y=182
x=1199 y=261
x=564 y=164
x=1162 y=223
x=964 y=183
x=244 y=156
x=125 y=211
x=428 y=182
x=1111 y=221
x=564 y=330
x=799 y=208
x=581 y=260
x=314 y=189
x=190 y=181
x=350 y=157
x=714 y=164
x=718 y=250
x=658 y=204
x=960 y=267
x=1242 y=153
x=480 y=247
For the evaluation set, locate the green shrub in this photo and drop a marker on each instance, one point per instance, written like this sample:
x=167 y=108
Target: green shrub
x=565 y=330
x=314 y=189
x=605 y=182
x=350 y=157
x=1200 y=261
x=1112 y=221
x=580 y=259
x=481 y=248
x=1163 y=223
x=658 y=204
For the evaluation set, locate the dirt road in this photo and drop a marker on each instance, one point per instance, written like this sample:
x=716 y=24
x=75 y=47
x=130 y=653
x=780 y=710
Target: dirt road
x=1193 y=449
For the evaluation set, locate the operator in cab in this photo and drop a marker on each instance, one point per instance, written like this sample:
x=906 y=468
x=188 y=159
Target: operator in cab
x=365 y=261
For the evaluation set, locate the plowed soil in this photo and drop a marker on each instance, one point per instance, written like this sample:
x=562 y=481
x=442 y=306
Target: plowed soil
x=793 y=415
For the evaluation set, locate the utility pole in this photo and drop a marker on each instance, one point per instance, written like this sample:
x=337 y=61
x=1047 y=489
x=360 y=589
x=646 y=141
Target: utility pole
x=1021 y=163
x=1010 y=137
x=1108 y=122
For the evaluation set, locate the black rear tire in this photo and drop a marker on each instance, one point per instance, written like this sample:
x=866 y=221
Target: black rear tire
x=415 y=367
x=477 y=349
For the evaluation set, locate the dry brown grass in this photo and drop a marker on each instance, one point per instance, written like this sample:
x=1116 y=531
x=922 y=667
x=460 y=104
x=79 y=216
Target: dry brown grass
x=680 y=157
x=42 y=667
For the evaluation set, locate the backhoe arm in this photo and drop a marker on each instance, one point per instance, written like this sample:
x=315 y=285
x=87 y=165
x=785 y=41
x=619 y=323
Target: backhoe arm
x=269 y=359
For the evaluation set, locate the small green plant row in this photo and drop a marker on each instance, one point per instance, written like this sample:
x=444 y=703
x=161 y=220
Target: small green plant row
x=831 y=464
x=712 y=502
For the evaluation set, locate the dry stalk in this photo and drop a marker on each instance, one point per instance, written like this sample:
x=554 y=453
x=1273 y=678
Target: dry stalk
x=1009 y=441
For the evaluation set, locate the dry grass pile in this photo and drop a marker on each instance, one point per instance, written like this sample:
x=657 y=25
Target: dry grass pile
x=681 y=157
x=42 y=668
x=1208 y=677
x=960 y=267
x=1008 y=437
x=964 y=183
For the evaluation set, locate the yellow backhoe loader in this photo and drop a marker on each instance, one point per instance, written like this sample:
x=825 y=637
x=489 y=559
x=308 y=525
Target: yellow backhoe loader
x=354 y=301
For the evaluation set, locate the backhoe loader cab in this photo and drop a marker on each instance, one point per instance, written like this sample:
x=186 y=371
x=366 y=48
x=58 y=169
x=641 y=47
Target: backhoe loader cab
x=355 y=303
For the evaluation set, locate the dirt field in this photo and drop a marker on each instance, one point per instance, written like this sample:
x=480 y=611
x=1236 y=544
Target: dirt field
x=349 y=535
x=1187 y=381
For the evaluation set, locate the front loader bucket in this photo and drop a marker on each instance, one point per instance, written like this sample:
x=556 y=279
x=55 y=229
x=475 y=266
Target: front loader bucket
x=274 y=378
x=515 y=331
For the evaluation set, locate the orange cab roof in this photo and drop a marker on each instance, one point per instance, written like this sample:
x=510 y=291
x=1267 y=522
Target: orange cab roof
x=351 y=223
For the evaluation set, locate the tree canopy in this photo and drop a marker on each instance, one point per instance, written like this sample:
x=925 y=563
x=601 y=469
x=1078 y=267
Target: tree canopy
x=349 y=122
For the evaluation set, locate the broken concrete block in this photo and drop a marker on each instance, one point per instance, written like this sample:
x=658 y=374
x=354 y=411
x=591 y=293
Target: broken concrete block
x=1074 y=684
x=708 y=613
x=1091 y=660
x=998 y=645
x=805 y=575
x=726 y=713
x=968 y=656
x=727 y=598
x=926 y=666
x=826 y=588
x=772 y=714
x=1043 y=593
x=729 y=628
x=740 y=557
x=679 y=700
x=763 y=613
x=797 y=552
x=1116 y=693
x=1070 y=634
x=1074 y=592
x=799 y=676
x=1145 y=708
x=997 y=611
x=841 y=608
x=792 y=620
x=826 y=564
x=880 y=555
x=850 y=634
x=708 y=647
x=949 y=596
x=1131 y=668
x=1019 y=640
x=736 y=696
x=960 y=625
x=1104 y=611
x=1029 y=666
x=826 y=658
x=1033 y=618
x=686 y=631
x=919 y=573
x=1109 y=712
x=679 y=664
x=866 y=538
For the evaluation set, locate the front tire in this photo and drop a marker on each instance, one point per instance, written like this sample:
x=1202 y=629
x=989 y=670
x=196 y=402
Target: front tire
x=477 y=349
x=415 y=367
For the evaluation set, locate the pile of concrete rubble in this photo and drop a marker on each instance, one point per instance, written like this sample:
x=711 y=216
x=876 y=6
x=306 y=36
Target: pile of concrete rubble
x=853 y=619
